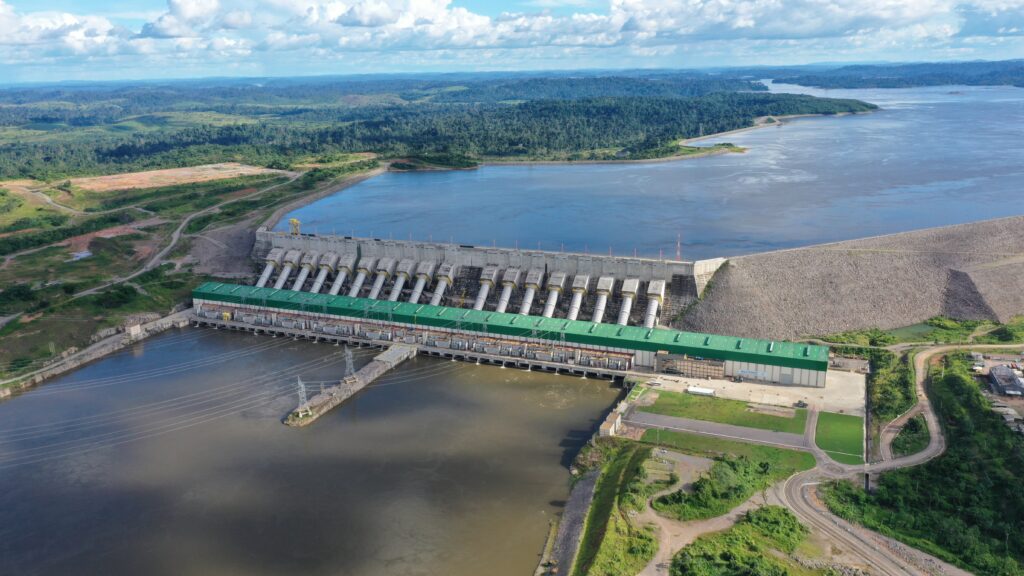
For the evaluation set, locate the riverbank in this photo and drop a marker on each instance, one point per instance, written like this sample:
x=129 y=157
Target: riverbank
x=704 y=153
x=130 y=335
x=334 y=188
x=764 y=122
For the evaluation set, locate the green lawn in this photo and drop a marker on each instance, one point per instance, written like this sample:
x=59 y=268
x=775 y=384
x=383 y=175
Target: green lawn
x=841 y=436
x=781 y=459
x=725 y=411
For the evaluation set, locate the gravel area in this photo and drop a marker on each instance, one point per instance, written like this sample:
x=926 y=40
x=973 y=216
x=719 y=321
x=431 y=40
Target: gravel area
x=225 y=250
x=570 y=527
x=969 y=271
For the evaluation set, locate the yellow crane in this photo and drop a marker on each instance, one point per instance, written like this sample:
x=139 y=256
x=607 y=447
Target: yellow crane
x=294 y=224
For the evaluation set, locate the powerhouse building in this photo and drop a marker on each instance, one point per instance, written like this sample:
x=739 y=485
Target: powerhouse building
x=616 y=347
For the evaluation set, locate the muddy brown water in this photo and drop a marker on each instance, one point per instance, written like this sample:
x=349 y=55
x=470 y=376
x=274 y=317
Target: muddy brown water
x=171 y=459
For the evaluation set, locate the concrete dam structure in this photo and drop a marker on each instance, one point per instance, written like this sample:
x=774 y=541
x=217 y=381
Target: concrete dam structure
x=572 y=313
x=603 y=289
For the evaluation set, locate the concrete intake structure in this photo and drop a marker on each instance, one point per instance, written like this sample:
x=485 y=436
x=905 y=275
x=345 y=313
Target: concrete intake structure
x=365 y=268
x=328 y=264
x=345 y=265
x=273 y=263
x=508 y=283
x=291 y=260
x=488 y=277
x=534 y=278
x=385 y=268
x=406 y=268
x=471 y=276
x=556 y=282
x=579 y=290
x=424 y=272
x=655 y=295
x=629 y=289
x=444 y=278
x=605 y=285
x=310 y=261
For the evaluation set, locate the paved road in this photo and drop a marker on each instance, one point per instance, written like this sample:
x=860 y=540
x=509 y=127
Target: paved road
x=936 y=442
x=881 y=555
x=727 y=431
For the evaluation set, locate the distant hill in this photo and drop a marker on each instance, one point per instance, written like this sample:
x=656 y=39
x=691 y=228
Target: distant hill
x=1001 y=73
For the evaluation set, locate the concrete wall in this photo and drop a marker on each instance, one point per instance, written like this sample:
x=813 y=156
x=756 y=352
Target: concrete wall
x=644 y=269
x=775 y=374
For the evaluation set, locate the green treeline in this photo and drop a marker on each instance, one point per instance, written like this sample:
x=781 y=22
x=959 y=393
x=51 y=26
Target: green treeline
x=1002 y=73
x=965 y=506
x=76 y=132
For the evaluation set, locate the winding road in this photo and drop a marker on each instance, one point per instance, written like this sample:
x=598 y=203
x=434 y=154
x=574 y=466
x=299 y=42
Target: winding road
x=878 y=553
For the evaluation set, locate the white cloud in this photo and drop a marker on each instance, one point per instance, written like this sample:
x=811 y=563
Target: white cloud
x=667 y=32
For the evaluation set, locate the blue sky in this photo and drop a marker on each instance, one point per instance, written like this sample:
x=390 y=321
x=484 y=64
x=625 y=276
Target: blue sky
x=52 y=40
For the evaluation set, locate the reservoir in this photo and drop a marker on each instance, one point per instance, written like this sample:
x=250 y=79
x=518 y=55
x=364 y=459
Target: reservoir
x=930 y=157
x=171 y=459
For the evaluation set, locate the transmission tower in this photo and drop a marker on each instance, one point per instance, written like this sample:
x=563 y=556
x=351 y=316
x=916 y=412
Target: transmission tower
x=303 y=401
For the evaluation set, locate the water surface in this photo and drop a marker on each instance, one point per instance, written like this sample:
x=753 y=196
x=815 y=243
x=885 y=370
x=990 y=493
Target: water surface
x=930 y=157
x=171 y=460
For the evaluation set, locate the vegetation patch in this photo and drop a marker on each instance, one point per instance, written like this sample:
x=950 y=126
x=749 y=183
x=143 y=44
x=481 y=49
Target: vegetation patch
x=965 y=506
x=16 y=243
x=841 y=436
x=725 y=411
x=761 y=544
x=611 y=544
x=730 y=482
x=913 y=438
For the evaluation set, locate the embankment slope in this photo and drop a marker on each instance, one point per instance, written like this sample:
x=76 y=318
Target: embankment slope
x=968 y=271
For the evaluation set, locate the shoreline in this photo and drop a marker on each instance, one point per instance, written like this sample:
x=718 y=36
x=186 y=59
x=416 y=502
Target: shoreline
x=334 y=187
x=676 y=158
x=759 y=122
x=95 y=351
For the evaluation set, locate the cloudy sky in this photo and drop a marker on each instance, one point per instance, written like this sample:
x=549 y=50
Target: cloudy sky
x=118 y=39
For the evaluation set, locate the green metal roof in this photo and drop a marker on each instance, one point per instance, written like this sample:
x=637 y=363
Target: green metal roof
x=776 y=353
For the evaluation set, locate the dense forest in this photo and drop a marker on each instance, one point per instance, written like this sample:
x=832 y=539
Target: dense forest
x=49 y=133
x=1003 y=73
x=966 y=506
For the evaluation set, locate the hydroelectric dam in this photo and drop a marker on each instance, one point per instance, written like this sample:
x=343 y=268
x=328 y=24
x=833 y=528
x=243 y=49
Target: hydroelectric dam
x=582 y=314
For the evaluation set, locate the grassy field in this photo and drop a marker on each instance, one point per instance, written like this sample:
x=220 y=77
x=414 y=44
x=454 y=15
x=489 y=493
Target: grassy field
x=707 y=446
x=725 y=411
x=841 y=436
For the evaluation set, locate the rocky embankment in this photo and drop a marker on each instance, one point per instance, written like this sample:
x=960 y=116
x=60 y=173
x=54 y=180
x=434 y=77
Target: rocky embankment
x=969 y=271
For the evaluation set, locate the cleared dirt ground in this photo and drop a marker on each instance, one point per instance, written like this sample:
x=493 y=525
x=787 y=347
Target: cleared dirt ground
x=169 y=177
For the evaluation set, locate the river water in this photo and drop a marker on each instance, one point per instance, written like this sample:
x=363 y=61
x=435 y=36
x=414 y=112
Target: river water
x=171 y=459
x=930 y=157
